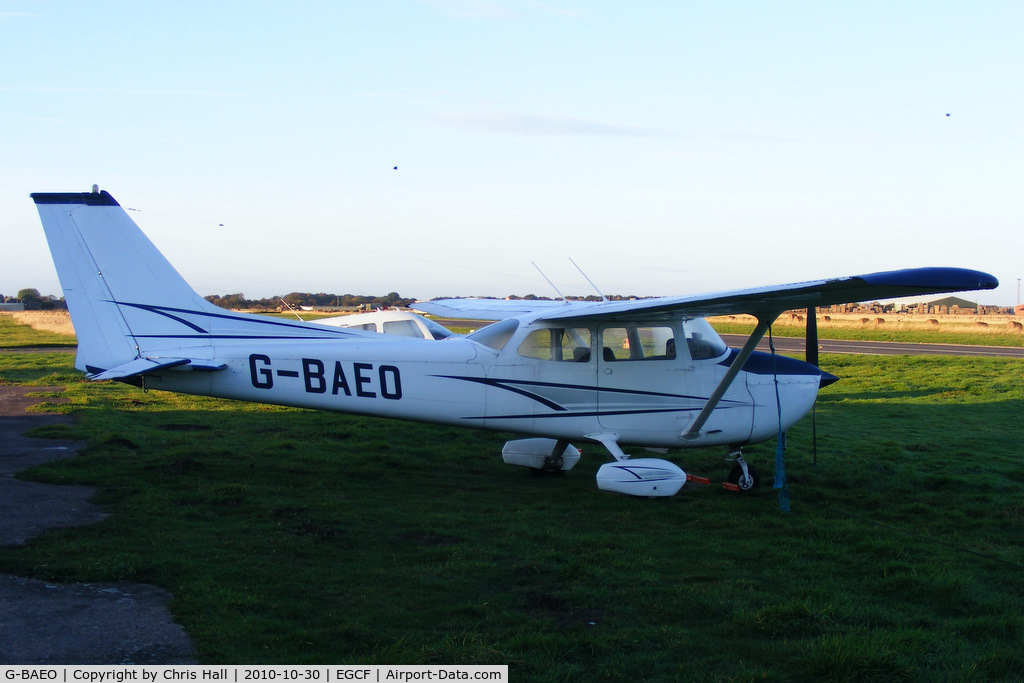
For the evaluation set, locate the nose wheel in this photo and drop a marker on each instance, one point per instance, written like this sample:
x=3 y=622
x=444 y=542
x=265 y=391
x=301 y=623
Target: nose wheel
x=742 y=477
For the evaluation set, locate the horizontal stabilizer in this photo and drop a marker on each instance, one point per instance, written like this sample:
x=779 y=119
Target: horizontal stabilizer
x=146 y=366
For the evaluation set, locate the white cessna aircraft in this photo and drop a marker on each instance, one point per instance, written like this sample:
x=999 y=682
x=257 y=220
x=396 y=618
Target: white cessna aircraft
x=649 y=373
x=389 y=322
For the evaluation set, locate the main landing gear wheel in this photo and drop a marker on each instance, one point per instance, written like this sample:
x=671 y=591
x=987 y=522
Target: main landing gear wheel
x=547 y=471
x=744 y=482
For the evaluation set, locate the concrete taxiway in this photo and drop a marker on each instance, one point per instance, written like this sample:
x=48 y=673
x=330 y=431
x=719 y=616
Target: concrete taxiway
x=879 y=348
x=45 y=622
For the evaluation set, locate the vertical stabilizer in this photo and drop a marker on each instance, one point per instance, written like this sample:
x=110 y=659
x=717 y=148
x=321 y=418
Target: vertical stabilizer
x=111 y=275
x=132 y=311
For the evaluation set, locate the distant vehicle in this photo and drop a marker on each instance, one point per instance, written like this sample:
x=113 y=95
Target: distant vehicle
x=648 y=373
x=401 y=323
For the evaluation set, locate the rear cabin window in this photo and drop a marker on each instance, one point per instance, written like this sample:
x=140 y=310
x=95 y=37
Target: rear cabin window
x=570 y=344
x=637 y=343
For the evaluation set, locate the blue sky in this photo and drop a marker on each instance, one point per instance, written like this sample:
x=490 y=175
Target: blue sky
x=666 y=147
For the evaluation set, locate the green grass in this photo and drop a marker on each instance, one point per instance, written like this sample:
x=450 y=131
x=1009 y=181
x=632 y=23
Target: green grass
x=15 y=335
x=290 y=536
x=39 y=369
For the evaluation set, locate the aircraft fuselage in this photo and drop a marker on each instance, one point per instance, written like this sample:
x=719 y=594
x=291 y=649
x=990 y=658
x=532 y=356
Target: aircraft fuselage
x=645 y=400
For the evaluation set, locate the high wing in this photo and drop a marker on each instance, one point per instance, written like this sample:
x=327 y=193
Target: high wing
x=762 y=302
x=765 y=303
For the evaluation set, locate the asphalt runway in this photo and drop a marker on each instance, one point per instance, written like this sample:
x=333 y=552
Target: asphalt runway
x=878 y=348
x=44 y=622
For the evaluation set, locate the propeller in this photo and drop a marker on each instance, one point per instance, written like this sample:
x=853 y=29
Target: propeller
x=812 y=336
x=811 y=356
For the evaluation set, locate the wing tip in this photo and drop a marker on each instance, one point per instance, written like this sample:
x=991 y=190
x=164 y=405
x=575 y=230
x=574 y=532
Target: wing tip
x=87 y=198
x=942 y=279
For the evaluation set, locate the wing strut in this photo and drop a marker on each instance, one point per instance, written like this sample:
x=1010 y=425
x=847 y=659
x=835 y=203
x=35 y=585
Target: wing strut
x=763 y=323
x=610 y=441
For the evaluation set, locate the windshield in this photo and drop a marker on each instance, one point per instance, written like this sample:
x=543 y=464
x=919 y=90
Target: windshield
x=702 y=340
x=496 y=335
x=437 y=330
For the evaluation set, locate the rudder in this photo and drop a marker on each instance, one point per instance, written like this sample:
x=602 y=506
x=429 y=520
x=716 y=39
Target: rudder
x=127 y=302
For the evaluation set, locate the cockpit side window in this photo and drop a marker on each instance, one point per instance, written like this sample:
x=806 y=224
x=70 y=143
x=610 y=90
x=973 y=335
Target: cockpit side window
x=637 y=342
x=496 y=335
x=702 y=340
x=569 y=344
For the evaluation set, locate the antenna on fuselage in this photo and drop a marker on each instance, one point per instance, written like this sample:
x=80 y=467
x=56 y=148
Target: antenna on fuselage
x=603 y=297
x=549 y=281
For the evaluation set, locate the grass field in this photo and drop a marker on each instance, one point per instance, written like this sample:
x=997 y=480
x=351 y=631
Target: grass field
x=289 y=536
x=35 y=328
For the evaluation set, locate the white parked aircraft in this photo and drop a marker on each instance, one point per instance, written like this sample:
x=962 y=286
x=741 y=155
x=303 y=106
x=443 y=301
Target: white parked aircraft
x=402 y=323
x=649 y=373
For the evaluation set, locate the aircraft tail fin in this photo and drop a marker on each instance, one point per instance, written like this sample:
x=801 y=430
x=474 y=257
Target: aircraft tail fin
x=128 y=303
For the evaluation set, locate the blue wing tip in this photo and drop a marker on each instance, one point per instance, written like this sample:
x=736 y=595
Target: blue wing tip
x=946 y=279
x=89 y=198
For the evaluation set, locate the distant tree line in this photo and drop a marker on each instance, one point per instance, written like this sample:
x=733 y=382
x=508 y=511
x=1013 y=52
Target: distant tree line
x=308 y=299
x=34 y=301
x=324 y=300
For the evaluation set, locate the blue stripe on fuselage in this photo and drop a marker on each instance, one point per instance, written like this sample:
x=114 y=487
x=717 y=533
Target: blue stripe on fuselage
x=761 y=363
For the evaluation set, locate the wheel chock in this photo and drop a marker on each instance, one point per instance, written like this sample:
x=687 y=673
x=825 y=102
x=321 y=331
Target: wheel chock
x=698 y=480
